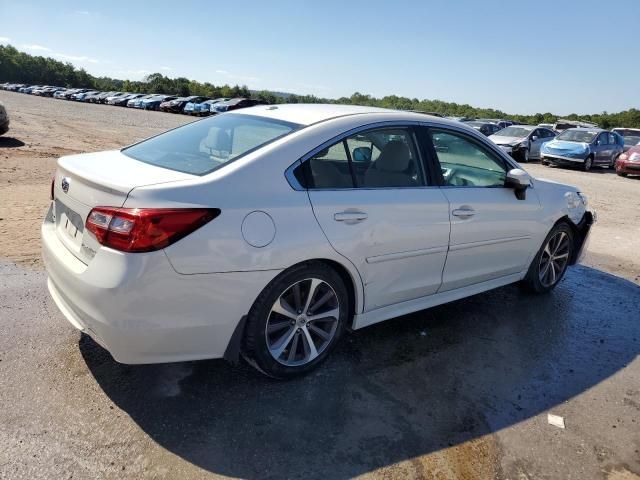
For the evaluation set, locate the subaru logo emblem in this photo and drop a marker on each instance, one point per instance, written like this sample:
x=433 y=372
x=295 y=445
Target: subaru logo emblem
x=65 y=185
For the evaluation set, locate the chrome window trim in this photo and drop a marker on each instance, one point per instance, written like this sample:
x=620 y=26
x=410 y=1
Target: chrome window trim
x=295 y=185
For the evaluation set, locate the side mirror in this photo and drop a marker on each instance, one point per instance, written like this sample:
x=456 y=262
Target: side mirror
x=519 y=180
x=534 y=138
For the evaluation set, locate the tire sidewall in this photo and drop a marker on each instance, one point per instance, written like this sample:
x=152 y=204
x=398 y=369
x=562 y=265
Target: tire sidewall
x=255 y=341
x=588 y=163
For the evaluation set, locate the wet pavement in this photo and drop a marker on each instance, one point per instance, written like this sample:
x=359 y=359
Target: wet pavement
x=457 y=391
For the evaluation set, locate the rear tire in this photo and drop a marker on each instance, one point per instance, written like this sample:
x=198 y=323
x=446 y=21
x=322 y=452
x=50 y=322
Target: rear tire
x=612 y=165
x=296 y=321
x=621 y=174
x=551 y=262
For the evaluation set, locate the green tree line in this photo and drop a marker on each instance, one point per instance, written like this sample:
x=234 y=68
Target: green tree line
x=20 y=67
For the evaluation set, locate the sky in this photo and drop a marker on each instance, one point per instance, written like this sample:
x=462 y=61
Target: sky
x=571 y=56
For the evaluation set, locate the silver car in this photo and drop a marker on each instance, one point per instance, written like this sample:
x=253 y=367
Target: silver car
x=522 y=142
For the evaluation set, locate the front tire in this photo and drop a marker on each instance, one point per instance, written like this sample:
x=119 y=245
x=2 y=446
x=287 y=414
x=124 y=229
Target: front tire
x=296 y=321
x=551 y=262
x=588 y=163
x=524 y=155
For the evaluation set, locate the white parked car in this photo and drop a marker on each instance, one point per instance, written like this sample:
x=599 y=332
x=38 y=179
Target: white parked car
x=267 y=232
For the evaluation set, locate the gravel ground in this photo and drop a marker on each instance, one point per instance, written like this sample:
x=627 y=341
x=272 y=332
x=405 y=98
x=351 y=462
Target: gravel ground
x=460 y=391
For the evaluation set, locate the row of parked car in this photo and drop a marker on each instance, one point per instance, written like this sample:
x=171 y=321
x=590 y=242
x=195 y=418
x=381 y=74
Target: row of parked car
x=564 y=143
x=192 y=105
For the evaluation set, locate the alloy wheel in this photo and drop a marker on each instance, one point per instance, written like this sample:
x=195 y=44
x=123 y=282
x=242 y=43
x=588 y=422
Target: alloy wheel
x=554 y=259
x=302 y=322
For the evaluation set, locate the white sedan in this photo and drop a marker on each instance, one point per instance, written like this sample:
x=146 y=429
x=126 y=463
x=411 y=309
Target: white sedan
x=268 y=231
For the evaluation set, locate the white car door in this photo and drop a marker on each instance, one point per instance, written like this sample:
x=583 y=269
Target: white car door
x=371 y=197
x=493 y=234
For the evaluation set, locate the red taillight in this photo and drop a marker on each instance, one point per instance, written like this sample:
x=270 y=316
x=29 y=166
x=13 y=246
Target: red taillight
x=145 y=229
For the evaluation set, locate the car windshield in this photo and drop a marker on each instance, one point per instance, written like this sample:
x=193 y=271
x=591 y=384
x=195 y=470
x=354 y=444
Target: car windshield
x=631 y=141
x=585 y=136
x=202 y=147
x=514 y=132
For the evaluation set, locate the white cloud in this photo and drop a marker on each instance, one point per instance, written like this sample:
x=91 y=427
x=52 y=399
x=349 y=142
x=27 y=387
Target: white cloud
x=5 y=39
x=37 y=48
x=165 y=68
x=76 y=58
x=232 y=77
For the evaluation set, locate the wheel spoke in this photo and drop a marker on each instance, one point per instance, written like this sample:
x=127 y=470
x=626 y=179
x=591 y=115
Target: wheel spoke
x=319 y=303
x=559 y=242
x=333 y=313
x=315 y=283
x=283 y=308
x=553 y=272
x=294 y=347
x=297 y=296
x=321 y=333
x=282 y=343
x=310 y=347
x=562 y=255
x=276 y=327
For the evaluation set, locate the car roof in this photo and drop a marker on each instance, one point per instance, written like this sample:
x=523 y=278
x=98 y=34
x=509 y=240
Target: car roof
x=307 y=114
x=587 y=129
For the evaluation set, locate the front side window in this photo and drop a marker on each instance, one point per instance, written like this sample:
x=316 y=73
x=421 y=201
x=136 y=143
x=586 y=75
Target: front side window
x=465 y=163
x=204 y=146
x=381 y=158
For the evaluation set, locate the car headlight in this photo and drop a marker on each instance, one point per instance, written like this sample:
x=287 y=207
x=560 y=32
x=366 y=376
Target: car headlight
x=583 y=198
x=575 y=200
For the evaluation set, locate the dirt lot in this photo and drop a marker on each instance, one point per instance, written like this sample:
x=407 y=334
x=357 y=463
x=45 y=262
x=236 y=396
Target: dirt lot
x=460 y=391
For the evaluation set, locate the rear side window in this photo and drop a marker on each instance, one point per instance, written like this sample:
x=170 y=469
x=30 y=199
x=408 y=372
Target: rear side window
x=382 y=158
x=201 y=147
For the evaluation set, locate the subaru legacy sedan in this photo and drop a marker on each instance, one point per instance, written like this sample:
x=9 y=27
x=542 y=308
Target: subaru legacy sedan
x=268 y=232
x=583 y=147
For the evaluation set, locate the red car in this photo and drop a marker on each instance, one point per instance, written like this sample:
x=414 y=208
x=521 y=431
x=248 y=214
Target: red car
x=628 y=163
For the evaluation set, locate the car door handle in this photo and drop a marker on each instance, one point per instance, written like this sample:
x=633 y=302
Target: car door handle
x=350 y=216
x=463 y=212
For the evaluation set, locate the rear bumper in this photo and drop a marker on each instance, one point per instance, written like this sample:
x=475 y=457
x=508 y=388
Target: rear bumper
x=138 y=308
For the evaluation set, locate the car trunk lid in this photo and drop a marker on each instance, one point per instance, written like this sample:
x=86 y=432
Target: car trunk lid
x=104 y=179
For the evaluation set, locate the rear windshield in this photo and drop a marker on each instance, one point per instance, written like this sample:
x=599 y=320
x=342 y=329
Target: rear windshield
x=204 y=146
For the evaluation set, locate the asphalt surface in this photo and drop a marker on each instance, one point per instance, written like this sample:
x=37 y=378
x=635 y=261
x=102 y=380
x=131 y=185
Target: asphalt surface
x=457 y=391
